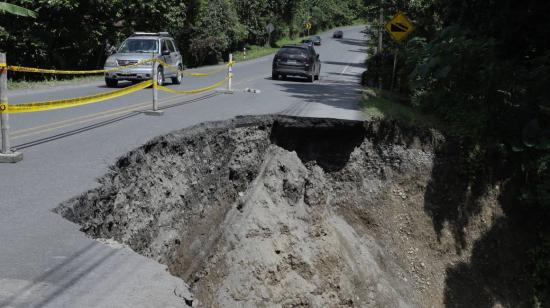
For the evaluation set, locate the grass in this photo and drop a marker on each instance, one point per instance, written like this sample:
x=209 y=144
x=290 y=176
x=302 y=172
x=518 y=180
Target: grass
x=254 y=51
x=37 y=84
x=359 y=22
x=377 y=104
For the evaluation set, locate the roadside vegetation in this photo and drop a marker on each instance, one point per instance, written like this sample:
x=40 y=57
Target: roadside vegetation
x=257 y=51
x=49 y=82
x=75 y=34
x=382 y=105
x=482 y=68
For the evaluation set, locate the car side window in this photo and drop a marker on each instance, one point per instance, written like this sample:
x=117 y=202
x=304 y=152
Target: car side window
x=171 y=46
x=164 y=46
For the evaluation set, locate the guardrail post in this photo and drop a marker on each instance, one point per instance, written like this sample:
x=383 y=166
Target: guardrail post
x=155 y=110
x=6 y=155
x=230 y=72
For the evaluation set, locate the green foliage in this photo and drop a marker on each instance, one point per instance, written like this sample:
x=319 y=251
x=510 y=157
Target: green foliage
x=483 y=66
x=16 y=10
x=216 y=29
x=452 y=77
x=379 y=104
x=75 y=34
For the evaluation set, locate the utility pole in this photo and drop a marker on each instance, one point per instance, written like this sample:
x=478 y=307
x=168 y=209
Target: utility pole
x=380 y=23
x=230 y=74
x=394 y=68
x=6 y=154
x=154 y=74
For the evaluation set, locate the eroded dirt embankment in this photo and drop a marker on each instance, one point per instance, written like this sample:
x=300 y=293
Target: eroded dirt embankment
x=262 y=211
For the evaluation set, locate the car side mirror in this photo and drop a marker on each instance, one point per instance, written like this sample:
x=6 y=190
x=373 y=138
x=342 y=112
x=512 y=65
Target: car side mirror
x=166 y=52
x=317 y=57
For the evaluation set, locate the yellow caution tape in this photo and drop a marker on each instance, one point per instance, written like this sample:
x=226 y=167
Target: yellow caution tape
x=203 y=74
x=214 y=72
x=14 y=68
x=229 y=64
x=24 y=69
x=162 y=88
x=72 y=102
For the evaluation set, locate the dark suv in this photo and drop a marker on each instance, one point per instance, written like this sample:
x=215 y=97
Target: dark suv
x=296 y=60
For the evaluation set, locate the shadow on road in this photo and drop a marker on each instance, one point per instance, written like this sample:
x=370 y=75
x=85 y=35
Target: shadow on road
x=337 y=94
x=120 y=85
x=62 y=276
x=344 y=64
x=353 y=42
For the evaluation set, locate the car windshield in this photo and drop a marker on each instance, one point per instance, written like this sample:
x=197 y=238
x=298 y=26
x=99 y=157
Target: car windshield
x=139 y=45
x=294 y=51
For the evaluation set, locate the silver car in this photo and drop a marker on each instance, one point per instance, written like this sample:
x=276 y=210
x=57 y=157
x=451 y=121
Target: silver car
x=139 y=47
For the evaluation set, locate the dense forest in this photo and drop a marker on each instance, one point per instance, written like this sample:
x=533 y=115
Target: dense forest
x=75 y=33
x=482 y=68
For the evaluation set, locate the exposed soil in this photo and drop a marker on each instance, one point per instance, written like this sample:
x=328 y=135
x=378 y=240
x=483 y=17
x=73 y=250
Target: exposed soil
x=293 y=212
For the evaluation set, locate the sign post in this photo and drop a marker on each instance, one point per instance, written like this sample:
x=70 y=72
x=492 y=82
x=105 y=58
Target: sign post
x=399 y=27
x=154 y=73
x=269 y=28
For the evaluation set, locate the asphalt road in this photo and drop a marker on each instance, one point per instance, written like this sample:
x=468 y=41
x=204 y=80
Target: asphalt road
x=44 y=260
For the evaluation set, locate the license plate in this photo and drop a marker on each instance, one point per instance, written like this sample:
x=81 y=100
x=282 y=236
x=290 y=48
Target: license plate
x=291 y=61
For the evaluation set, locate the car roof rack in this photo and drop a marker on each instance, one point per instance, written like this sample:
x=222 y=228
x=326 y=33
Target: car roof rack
x=150 y=34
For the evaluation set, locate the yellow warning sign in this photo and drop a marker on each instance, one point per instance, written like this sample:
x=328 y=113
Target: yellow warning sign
x=399 y=27
x=307 y=25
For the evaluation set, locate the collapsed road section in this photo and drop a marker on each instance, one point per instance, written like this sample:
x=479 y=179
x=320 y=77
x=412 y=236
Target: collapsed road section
x=295 y=212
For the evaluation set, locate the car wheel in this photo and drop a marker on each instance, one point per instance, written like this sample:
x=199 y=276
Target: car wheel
x=317 y=77
x=275 y=76
x=160 y=76
x=283 y=77
x=179 y=76
x=111 y=83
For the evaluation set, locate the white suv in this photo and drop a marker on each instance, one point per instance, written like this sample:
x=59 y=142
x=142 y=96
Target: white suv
x=141 y=46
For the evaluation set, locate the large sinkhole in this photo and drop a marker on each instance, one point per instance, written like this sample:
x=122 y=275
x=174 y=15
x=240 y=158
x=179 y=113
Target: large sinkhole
x=284 y=211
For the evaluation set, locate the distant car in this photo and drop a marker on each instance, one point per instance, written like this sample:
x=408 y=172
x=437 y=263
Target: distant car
x=316 y=39
x=141 y=46
x=307 y=42
x=296 y=60
x=338 y=34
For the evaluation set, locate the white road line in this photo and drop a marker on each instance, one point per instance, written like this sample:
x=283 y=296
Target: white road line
x=345 y=69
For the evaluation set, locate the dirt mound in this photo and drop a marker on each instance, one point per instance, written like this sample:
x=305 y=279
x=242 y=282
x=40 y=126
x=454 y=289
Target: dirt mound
x=263 y=211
